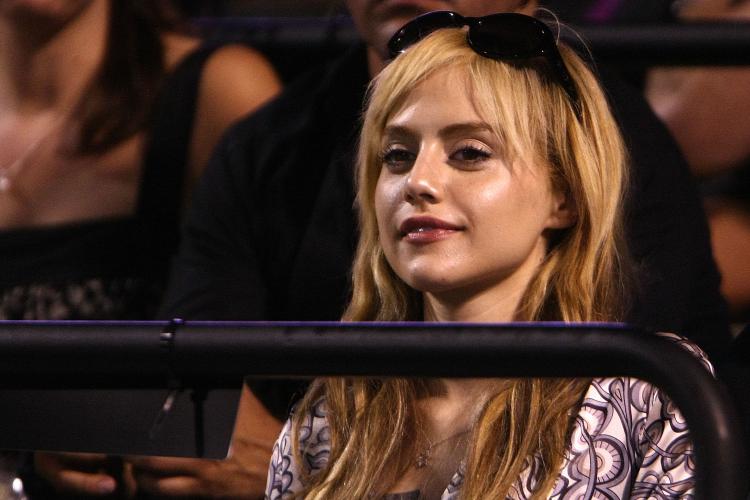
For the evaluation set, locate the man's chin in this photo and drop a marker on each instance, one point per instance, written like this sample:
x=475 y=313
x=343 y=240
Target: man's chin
x=407 y=8
x=386 y=30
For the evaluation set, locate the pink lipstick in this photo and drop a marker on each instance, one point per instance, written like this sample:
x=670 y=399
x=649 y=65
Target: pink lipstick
x=425 y=229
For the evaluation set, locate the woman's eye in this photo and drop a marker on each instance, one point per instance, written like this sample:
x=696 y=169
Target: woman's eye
x=470 y=154
x=398 y=158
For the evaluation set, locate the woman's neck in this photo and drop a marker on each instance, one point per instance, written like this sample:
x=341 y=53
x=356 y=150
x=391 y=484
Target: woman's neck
x=476 y=308
x=456 y=403
x=45 y=64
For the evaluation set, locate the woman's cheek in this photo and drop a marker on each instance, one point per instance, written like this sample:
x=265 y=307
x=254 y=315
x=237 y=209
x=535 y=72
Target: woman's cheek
x=387 y=196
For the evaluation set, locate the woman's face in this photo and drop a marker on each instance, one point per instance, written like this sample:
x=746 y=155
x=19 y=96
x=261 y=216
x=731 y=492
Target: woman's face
x=453 y=215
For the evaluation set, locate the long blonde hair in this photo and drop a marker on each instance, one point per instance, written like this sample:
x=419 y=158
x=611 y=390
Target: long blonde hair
x=583 y=277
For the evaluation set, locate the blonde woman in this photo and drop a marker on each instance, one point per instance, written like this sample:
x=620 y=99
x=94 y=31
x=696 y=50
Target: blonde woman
x=490 y=184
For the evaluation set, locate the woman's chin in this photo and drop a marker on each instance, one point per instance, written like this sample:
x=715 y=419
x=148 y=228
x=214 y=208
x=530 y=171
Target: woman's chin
x=431 y=283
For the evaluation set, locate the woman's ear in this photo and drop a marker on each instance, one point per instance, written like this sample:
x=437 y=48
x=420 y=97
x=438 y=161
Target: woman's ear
x=563 y=212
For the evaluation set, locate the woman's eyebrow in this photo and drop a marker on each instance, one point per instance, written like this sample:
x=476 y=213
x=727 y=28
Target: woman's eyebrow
x=465 y=128
x=391 y=131
x=448 y=131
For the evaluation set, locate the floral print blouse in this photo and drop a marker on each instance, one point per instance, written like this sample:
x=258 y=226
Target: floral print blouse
x=628 y=441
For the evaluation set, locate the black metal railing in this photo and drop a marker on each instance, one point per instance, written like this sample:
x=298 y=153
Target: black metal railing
x=639 y=45
x=90 y=354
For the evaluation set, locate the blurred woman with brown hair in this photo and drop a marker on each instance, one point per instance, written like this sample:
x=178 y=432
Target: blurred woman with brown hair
x=107 y=116
x=108 y=112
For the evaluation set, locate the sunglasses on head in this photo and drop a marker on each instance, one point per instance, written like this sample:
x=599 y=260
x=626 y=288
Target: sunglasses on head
x=507 y=36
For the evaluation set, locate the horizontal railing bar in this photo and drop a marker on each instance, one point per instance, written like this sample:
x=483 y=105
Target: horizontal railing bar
x=642 y=45
x=202 y=351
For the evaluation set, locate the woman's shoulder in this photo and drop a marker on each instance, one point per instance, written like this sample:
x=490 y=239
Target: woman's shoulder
x=691 y=347
x=290 y=464
x=235 y=80
x=630 y=435
x=639 y=394
x=314 y=434
x=238 y=69
x=232 y=78
x=230 y=67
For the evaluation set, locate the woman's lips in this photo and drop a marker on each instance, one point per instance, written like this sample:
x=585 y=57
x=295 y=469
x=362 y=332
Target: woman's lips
x=426 y=229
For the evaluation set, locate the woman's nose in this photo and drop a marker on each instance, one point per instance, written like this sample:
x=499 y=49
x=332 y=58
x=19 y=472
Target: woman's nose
x=424 y=183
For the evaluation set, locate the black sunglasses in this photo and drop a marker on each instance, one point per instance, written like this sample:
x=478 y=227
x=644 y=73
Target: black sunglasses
x=507 y=36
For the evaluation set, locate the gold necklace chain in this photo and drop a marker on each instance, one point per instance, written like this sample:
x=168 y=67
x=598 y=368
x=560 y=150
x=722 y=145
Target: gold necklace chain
x=423 y=458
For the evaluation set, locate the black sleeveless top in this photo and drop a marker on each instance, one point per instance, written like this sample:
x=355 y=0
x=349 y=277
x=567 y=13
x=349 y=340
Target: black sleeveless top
x=113 y=268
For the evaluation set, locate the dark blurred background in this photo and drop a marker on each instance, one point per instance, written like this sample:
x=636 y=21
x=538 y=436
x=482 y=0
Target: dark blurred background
x=298 y=34
x=584 y=11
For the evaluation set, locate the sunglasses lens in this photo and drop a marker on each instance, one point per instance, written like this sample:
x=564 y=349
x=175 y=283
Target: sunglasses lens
x=508 y=36
x=420 y=27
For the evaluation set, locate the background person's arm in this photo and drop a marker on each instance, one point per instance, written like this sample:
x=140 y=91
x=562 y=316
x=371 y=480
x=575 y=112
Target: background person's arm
x=241 y=476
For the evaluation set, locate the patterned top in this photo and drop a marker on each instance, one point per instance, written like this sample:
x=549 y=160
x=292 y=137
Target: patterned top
x=628 y=441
